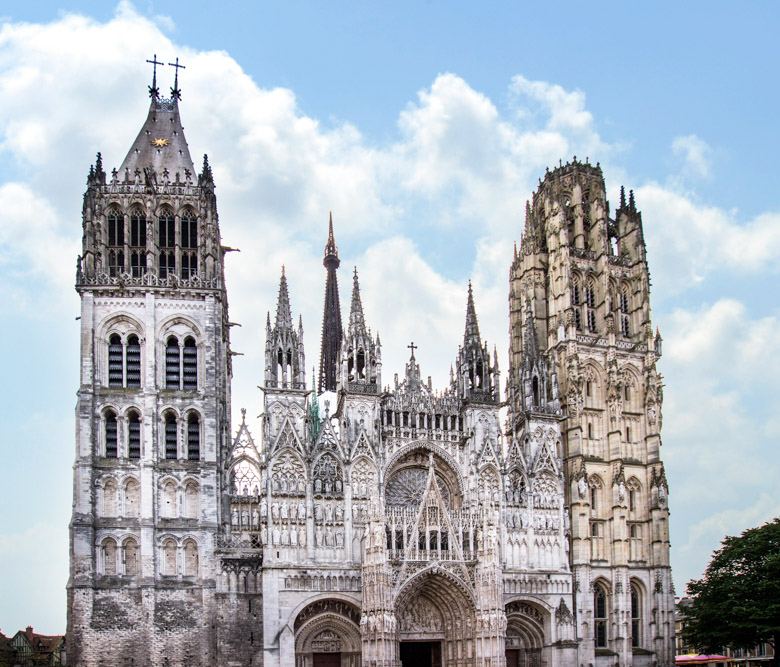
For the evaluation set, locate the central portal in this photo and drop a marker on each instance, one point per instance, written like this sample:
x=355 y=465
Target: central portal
x=421 y=654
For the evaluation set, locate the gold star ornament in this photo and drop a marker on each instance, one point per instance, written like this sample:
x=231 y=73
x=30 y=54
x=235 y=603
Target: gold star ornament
x=160 y=142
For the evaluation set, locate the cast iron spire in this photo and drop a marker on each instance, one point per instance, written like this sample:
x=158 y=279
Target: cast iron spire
x=331 y=316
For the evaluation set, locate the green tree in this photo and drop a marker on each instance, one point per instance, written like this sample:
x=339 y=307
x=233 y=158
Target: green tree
x=737 y=602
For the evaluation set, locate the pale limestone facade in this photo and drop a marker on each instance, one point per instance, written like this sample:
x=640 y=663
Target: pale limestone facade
x=373 y=525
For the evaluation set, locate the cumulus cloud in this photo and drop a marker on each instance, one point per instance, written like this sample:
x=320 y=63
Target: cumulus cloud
x=694 y=154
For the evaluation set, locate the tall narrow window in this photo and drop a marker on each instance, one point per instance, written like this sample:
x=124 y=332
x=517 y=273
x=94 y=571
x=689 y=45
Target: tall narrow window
x=172 y=363
x=116 y=242
x=169 y=500
x=590 y=307
x=628 y=434
x=632 y=500
x=575 y=302
x=111 y=433
x=190 y=558
x=600 y=616
x=133 y=361
x=193 y=437
x=171 y=448
x=190 y=363
x=109 y=556
x=189 y=245
x=594 y=495
x=132 y=498
x=130 y=554
x=169 y=557
x=191 y=500
x=133 y=435
x=167 y=243
x=137 y=242
x=636 y=617
x=625 y=328
x=115 y=354
x=109 y=498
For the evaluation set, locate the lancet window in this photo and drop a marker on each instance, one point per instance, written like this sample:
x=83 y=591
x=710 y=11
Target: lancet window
x=625 y=321
x=137 y=242
x=193 y=436
x=130 y=557
x=636 y=616
x=124 y=361
x=181 y=363
x=133 y=435
x=169 y=557
x=108 y=553
x=600 y=616
x=167 y=243
x=170 y=434
x=116 y=242
x=189 y=245
x=590 y=306
x=132 y=498
x=111 y=434
x=576 y=301
x=190 y=558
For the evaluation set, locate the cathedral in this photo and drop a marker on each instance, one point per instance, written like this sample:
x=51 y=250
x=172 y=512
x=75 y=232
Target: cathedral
x=366 y=521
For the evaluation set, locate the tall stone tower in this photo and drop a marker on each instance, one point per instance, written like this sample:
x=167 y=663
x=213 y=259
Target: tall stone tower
x=580 y=320
x=153 y=410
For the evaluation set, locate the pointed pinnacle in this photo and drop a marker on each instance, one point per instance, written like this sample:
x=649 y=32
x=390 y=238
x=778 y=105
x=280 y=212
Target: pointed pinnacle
x=283 y=312
x=330 y=245
x=357 y=322
x=471 y=335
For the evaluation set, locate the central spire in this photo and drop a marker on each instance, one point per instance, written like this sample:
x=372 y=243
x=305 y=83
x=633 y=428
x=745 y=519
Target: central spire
x=332 y=331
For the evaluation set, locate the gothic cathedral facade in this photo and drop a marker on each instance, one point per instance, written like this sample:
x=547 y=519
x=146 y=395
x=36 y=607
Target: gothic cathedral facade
x=363 y=523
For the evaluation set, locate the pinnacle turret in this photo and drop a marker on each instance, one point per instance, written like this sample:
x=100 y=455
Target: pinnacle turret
x=283 y=312
x=471 y=335
x=284 y=357
x=357 y=323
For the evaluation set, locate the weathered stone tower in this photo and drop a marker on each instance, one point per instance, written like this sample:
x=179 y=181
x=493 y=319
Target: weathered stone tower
x=153 y=411
x=580 y=321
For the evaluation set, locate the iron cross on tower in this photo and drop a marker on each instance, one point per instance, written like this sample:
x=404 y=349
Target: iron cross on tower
x=175 y=92
x=154 y=91
x=412 y=347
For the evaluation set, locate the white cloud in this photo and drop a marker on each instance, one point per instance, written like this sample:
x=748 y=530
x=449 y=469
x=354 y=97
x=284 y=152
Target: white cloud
x=695 y=155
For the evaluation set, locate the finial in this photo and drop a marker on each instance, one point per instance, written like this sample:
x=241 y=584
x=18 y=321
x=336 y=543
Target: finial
x=243 y=416
x=412 y=347
x=175 y=92
x=631 y=202
x=622 y=197
x=154 y=91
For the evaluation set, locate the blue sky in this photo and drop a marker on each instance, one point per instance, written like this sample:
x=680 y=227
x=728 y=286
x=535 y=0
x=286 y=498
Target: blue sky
x=424 y=126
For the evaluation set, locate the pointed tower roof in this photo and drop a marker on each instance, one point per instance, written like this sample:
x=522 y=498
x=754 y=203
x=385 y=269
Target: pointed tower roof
x=160 y=145
x=357 y=323
x=331 y=250
x=332 y=331
x=283 y=311
x=530 y=344
x=471 y=335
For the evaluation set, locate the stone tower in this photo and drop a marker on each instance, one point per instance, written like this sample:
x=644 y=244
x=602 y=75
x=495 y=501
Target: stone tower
x=580 y=321
x=153 y=410
x=331 y=316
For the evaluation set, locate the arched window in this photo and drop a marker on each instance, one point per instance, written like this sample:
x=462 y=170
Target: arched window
x=167 y=243
x=594 y=498
x=116 y=242
x=130 y=557
x=636 y=616
x=191 y=501
x=193 y=436
x=115 y=363
x=190 y=364
x=137 y=242
x=576 y=300
x=590 y=431
x=625 y=324
x=171 y=436
x=600 y=616
x=132 y=498
x=133 y=363
x=169 y=500
x=108 y=551
x=189 y=245
x=169 y=557
x=133 y=435
x=111 y=435
x=190 y=559
x=361 y=364
x=631 y=500
x=172 y=363
x=109 y=498
x=124 y=361
x=590 y=306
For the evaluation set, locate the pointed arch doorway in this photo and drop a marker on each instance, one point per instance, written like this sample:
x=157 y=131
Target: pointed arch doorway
x=436 y=620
